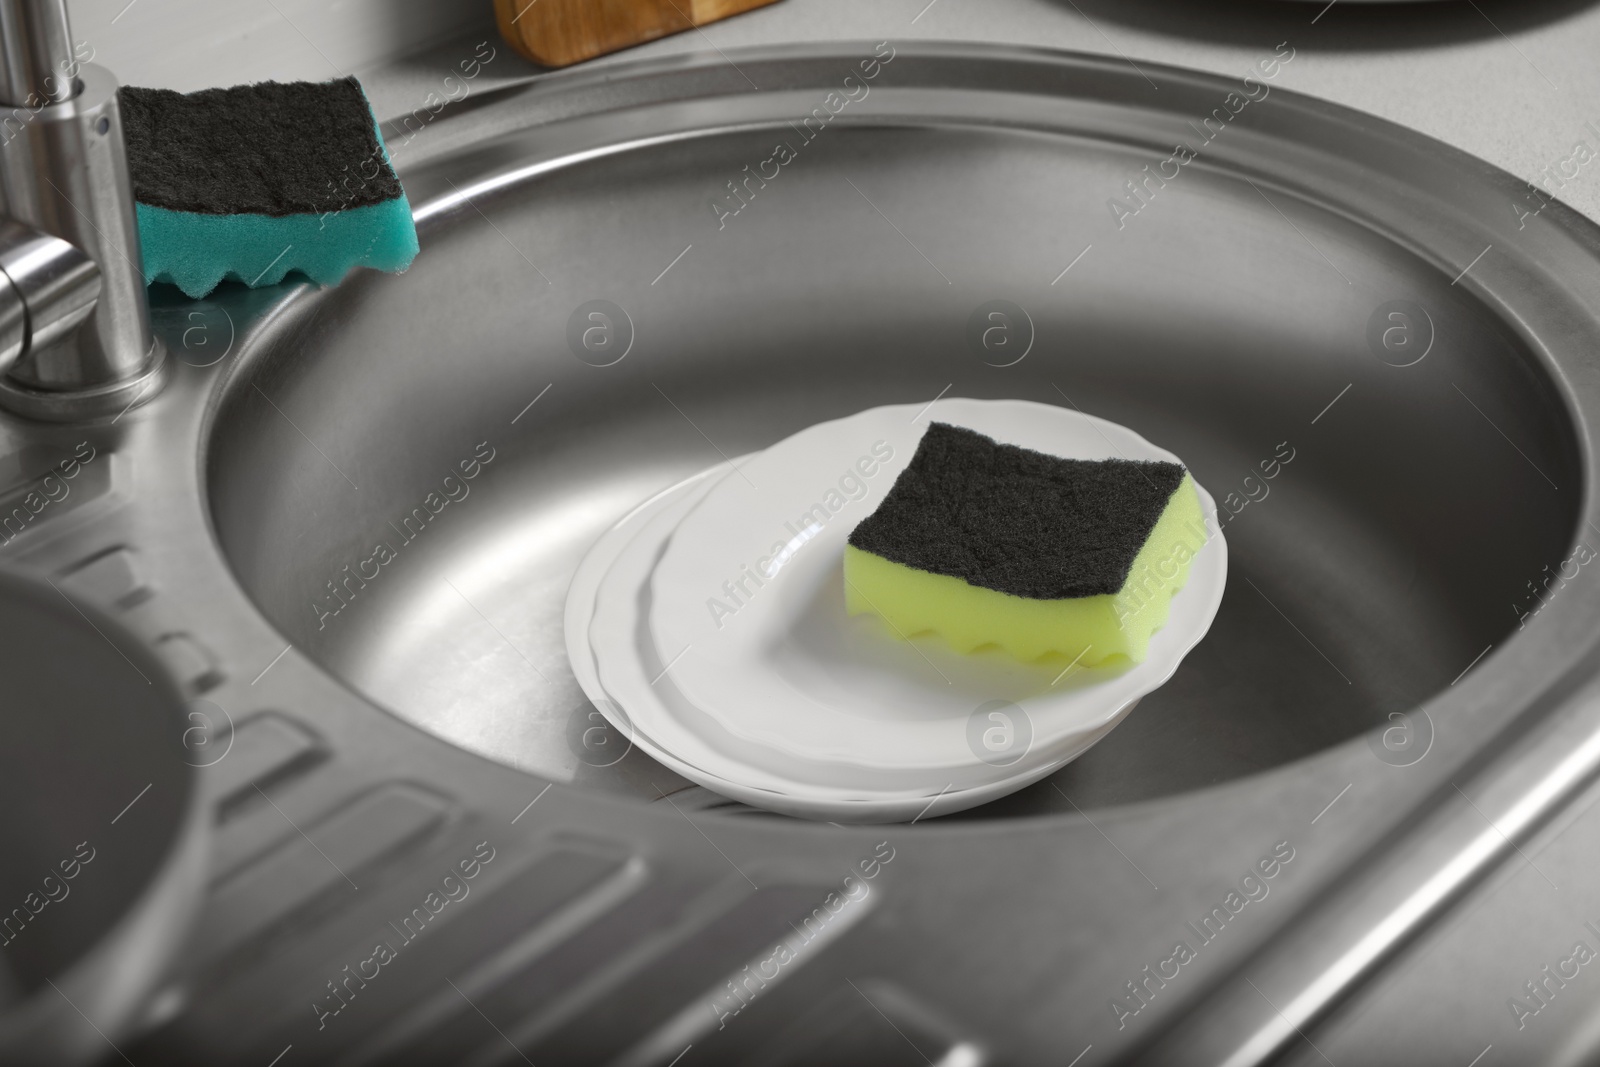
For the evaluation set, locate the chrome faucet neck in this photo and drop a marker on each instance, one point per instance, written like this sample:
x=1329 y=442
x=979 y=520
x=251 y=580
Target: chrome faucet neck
x=35 y=53
x=64 y=173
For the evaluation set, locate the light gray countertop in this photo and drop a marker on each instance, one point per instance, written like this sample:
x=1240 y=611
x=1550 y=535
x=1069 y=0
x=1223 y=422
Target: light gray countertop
x=1516 y=84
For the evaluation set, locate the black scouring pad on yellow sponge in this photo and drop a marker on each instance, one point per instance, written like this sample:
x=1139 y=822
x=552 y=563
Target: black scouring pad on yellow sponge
x=258 y=180
x=992 y=544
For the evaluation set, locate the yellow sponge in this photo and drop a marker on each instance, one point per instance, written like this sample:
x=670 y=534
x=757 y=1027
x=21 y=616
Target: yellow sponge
x=989 y=544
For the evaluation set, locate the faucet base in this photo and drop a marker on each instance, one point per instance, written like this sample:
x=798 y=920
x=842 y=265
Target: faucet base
x=112 y=399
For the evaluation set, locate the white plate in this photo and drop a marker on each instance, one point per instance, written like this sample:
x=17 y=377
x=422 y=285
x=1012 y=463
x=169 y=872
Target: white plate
x=737 y=780
x=598 y=560
x=582 y=594
x=634 y=675
x=788 y=672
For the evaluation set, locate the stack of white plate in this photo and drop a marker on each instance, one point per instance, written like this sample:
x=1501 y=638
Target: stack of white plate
x=709 y=626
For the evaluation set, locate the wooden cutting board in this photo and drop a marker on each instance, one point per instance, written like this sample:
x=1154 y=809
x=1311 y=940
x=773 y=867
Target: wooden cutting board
x=556 y=33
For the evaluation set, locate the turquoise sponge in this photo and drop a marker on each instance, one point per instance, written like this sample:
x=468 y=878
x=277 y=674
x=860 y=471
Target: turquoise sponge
x=196 y=251
x=259 y=180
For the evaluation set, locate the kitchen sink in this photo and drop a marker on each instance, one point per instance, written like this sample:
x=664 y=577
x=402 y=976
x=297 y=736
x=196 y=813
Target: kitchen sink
x=359 y=510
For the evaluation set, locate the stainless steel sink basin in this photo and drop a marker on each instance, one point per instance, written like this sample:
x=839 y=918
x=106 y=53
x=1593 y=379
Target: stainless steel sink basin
x=1229 y=320
x=1382 y=370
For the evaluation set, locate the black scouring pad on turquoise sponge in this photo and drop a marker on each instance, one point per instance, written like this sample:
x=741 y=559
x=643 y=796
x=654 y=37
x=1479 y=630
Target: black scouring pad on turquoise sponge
x=258 y=180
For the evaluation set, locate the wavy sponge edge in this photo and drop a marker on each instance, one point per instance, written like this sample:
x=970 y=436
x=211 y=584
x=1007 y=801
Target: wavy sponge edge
x=255 y=181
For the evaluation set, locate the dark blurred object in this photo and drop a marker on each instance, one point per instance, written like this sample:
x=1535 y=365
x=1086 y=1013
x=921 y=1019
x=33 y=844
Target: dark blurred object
x=557 y=33
x=102 y=834
x=1316 y=26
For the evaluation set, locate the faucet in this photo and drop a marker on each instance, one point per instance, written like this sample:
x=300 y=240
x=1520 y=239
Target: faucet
x=75 y=337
